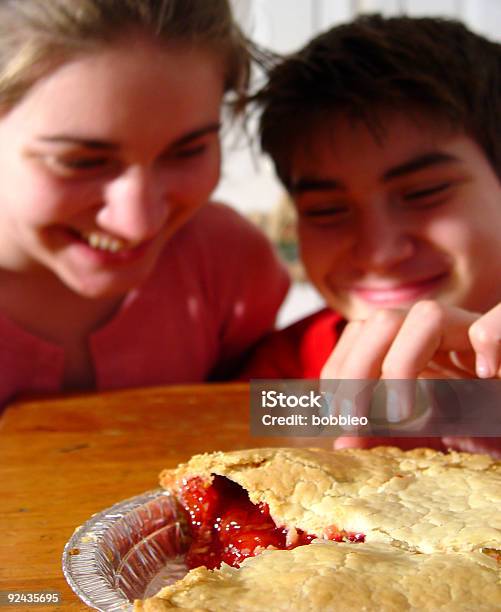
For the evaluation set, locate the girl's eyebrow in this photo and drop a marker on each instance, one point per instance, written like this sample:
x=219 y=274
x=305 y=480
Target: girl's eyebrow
x=87 y=143
x=93 y=143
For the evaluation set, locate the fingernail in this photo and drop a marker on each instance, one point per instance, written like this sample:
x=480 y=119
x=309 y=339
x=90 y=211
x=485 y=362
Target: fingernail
x=393 y=412
x=327 y=404
x=346 y=408
x=482 y=367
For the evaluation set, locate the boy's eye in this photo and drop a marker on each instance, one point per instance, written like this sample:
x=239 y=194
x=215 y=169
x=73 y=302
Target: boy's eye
x=324 y=214
x=426 y=195
x=192 y=151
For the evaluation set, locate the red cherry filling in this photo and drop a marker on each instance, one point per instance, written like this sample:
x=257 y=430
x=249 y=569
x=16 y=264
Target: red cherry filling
x=494 y=553
x=226 y=526
x=340 y=535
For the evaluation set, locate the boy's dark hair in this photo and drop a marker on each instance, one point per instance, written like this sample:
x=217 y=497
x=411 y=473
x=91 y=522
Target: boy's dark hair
x=376 y=64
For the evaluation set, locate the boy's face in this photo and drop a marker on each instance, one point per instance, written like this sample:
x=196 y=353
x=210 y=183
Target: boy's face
x=383 y=224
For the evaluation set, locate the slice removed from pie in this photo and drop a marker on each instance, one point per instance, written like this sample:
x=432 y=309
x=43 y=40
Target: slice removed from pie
x=307 y=529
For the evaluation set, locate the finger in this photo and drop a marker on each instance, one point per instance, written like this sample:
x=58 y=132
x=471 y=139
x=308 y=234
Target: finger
x=329 y=383
x=358 y=362
x=333 y=364
x=351 y=403
x=485 y=337
x=400 y=399
x=369 y=347
x=329 y=375
x=429 y=327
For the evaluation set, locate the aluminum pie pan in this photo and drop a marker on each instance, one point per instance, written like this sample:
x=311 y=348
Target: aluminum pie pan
x=128 y=551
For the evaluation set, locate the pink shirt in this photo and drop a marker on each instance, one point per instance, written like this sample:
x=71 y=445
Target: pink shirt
x=214 y=292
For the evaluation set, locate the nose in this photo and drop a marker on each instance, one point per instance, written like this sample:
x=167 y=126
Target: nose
x=135 y=204
x=382 y=241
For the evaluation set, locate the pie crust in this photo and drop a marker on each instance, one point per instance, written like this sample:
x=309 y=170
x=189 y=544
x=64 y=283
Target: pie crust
x=429 y=519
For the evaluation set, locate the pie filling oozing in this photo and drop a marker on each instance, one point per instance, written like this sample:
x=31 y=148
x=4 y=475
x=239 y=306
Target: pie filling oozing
x=227 y=527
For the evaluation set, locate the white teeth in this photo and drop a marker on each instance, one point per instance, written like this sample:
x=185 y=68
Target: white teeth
x=103 y=242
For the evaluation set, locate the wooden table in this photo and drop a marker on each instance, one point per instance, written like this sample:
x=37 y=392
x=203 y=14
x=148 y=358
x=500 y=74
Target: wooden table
x=63 y=459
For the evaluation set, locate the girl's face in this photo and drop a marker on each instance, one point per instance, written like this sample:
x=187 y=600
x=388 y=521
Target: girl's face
x=386 y=223
x=104 y=159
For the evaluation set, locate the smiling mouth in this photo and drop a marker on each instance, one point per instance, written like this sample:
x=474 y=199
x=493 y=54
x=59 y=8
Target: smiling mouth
x=105 y=242
x=397 y=294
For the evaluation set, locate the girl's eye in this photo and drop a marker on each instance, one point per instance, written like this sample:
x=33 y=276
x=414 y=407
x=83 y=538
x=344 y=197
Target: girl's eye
x=84 y=163
x=426 y=196
x=77 y=166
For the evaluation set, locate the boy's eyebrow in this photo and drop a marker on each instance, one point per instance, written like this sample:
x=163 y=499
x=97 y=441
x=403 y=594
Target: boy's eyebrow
x=420 y=162
x=92 y=143
x=306 y=184
x=198 y=133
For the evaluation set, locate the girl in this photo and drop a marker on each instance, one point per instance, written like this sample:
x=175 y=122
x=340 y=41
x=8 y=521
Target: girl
x=114 y=269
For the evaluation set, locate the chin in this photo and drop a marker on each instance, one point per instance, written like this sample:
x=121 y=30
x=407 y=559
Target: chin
x=105 y=284
x=96 y=290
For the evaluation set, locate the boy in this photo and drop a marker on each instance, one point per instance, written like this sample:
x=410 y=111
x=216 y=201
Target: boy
x=387 y=135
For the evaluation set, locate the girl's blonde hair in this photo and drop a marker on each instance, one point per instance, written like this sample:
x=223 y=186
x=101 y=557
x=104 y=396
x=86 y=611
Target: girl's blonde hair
x=38 y=35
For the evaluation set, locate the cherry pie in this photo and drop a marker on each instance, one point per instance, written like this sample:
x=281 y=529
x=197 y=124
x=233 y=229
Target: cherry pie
x=306 y=529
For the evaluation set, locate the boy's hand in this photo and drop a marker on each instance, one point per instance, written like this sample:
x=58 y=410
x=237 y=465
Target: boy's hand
x=429 y=341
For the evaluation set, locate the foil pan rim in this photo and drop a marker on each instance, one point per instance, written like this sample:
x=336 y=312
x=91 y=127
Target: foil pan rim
x=80 y=560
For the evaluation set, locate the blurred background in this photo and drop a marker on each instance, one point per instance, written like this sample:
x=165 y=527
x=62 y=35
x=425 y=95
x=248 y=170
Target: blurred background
x=248 y=182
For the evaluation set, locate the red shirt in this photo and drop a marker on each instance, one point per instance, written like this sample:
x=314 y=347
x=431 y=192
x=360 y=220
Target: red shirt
x=298 y=351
